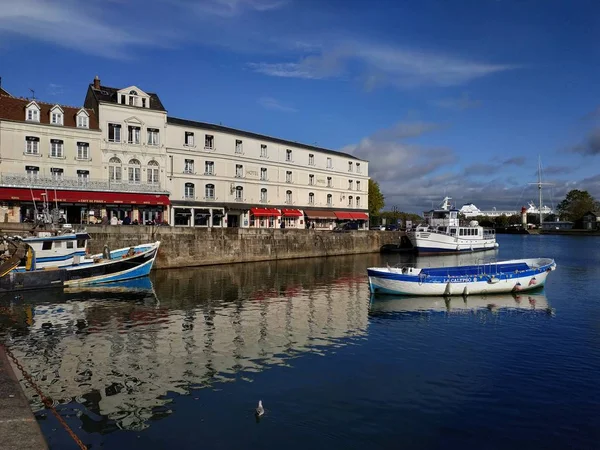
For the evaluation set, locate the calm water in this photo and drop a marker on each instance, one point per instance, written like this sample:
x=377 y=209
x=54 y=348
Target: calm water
x=181 y=363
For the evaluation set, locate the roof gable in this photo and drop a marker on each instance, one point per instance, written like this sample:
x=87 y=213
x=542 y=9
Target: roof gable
x=110 y=95
x=56 y=107
x=130 y=89
x=33 y=104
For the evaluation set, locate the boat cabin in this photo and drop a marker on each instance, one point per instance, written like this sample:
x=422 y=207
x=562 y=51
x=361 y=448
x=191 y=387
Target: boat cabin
x=58 y=250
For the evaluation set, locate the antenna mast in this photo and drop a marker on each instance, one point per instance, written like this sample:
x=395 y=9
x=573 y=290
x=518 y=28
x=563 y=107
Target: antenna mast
x=539 y=185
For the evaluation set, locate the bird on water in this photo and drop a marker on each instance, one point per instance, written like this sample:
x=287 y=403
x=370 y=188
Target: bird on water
x=259 y=409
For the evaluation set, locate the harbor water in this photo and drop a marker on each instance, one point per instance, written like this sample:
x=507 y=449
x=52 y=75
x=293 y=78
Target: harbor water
x=180 y=360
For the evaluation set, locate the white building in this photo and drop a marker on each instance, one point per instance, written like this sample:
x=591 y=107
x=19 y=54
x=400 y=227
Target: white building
x=122 y=156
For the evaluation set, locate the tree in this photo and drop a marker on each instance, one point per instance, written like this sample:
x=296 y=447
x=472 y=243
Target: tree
x=376 y=198
x=576 y=204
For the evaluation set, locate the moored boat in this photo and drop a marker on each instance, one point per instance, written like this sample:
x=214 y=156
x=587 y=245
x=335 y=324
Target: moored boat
x=497 y=277
x=442 y=232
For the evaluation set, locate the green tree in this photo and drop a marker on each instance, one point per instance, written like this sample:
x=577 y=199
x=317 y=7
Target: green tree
x=576 y=204
x=376 y=198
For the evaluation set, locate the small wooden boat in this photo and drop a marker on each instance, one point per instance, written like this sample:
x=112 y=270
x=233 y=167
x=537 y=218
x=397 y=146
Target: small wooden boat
x=490 y=278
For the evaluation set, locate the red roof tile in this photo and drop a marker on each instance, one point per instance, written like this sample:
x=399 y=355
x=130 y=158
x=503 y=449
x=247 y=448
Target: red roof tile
x=12 y=108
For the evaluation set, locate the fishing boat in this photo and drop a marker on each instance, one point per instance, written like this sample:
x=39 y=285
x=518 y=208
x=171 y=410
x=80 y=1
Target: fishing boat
x=107 y=267
x=489 y=278
x=442 y=232
x=54 y=249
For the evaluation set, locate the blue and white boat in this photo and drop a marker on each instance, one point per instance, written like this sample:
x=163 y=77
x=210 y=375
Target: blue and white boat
x=54 y=249
x=490 y=278
x=442 y=233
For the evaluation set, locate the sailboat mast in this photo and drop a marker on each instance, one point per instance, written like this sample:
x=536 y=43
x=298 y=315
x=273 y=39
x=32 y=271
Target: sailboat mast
x=540 y=189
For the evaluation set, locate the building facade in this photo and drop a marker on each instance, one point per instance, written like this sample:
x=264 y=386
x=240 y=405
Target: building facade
x=137 y=165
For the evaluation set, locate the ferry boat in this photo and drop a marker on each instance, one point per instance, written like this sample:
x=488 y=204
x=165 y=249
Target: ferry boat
x=443 y=233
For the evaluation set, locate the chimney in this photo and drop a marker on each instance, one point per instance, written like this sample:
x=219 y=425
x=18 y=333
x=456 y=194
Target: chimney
x=96 y=83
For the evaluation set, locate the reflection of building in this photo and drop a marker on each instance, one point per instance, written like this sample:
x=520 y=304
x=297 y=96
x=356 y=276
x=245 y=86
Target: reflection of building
x=121 y=156
x=124 y=356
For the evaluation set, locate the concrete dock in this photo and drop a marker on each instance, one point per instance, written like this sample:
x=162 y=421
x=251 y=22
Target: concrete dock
x=18 y=427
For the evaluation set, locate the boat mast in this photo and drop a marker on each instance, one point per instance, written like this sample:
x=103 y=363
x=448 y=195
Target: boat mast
x=540 y=189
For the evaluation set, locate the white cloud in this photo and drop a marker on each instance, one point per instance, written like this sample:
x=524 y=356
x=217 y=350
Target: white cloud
x=230 y=8
x=87 y=32
x=382 y=65
x=275 y=105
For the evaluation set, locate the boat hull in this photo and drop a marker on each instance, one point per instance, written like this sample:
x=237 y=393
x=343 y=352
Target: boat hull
x=433 y=243
x=465 y=280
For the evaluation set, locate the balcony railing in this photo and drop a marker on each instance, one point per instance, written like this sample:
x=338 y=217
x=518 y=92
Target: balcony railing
x=89 y=184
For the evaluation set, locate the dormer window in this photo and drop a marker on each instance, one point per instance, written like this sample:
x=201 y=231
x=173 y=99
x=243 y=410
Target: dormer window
x=32 y=113
x=56 y=118
x=83 y=120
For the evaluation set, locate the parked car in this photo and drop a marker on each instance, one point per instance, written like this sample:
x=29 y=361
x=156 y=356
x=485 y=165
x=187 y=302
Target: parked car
x=391 y=227
x=378 y=227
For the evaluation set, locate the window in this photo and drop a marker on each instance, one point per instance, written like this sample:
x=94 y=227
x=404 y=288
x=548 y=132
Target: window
x=288 y=176
x=83 y=150
x=350 y=166
x=311 y=179
x=288 y=155
x=189 y=191
x=263 y=195
x=263 y=151
x=329 y=199
x=358 y=168
x=239 y=193
x=153 y=136
x=263 y=174
x=311 y=160
x=114 y=169
x=189 y=166
x=358 y=202
x=288 y=197
x=357 y=185
x=209 y=168
x=83 y=176
x=238 y=146
x=329 y=182
x=349 y=200
x=32 y=145
x=32 y=172
x=189 y=139
x=209 y=191
x=134 y=134
x=114 y=132
x=349 y=185
x=56 y=173
x=239 y=171
x=56 y=118
x=33 y=114
x=80 y=243
x=47 y=245
x=70 y=244
x=209 y=141
x=311 y=198
x=56 y=148
x=143 y=103
x=135 y=171
x=152 y=172
x=329 y=163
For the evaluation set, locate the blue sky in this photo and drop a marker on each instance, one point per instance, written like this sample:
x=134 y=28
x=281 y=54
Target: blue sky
x=442 y=97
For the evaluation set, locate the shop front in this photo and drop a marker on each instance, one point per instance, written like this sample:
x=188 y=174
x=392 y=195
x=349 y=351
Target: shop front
x=84 y=207
x=200 y=216
x=264 y=217
x=360 y=219
x=293 y=218
x=320 y=219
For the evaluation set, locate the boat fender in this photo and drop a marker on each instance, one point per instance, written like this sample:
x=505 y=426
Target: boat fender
x=448 y=290
x=517 y=287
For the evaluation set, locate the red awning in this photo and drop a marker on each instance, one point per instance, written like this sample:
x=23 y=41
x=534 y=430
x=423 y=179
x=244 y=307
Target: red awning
x=265 y=212
x=124 y=198
x=291 y=212
x=344 y=215
x=360 y=216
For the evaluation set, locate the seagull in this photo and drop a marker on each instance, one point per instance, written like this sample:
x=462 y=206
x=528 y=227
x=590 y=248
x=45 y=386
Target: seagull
x=259 y=409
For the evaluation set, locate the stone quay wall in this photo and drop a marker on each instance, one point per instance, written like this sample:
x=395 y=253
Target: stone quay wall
x=187 y=247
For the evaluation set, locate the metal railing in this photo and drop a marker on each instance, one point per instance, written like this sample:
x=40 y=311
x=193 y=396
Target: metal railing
x=88 y=184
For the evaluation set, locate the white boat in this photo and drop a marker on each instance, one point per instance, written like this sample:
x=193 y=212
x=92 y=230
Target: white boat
x=490 y=278
x=443 y=233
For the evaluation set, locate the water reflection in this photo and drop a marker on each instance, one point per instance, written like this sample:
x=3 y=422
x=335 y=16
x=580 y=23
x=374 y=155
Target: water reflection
x=506 y=303
x=121 y=351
